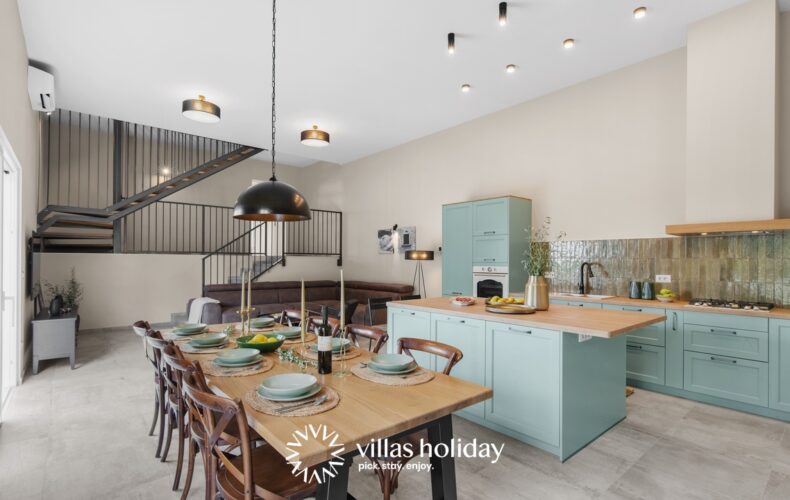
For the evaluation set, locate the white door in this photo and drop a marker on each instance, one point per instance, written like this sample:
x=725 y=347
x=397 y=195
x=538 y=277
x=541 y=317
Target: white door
x=10 y=270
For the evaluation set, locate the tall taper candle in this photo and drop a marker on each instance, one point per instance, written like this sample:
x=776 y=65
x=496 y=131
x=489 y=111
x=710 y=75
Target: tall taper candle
x=302 y=320
x=241 y=307
x=342 y=302
x=249 y=291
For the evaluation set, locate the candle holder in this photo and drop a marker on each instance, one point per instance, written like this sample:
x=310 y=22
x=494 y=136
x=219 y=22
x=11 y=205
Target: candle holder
x=245 y=315
x=343 y=371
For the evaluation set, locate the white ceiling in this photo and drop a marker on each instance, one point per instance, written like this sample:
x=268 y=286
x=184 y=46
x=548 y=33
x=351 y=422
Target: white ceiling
x=373 y=73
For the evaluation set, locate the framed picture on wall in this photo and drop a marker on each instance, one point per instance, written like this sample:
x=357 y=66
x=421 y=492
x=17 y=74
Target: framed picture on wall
x=407 y=239
x=385 y=241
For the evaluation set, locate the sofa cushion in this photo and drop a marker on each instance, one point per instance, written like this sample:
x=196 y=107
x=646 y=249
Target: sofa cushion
x=392 y=288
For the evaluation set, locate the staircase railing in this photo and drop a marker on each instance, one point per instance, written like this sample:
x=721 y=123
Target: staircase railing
x=267 y=244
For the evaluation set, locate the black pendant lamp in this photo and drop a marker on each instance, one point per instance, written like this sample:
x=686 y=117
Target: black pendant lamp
x=272 y=200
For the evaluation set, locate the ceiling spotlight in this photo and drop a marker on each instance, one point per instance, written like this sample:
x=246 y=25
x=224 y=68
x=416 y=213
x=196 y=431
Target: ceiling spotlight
x=451 y=43
x=502 y=13
x=640 y=12
x=315 y=138
x=466 y=88
x=569 y=43
x=200 y=110
x=510 y=68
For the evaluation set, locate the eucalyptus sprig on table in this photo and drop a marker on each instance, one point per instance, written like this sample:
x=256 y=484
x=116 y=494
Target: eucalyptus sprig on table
x=292 y=356
x=539 y=251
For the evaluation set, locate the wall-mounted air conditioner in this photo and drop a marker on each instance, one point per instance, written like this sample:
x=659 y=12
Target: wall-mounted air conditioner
x=41 y=87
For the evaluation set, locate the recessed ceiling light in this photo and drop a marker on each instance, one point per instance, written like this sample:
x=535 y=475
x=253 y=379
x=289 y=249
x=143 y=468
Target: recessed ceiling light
x=502 y=13
x=640 y=12
x=510 y=68
x=315 y=138
x=569 y=43
x=451 y=43
x=200 y=110
x=466 y=87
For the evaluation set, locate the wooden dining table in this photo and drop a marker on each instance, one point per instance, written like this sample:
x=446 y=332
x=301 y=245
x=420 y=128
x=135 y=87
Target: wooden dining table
x=367 y=412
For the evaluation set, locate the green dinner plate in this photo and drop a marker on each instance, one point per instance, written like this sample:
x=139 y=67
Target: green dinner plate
x=289 y=332
x=208 y=339
x=253 y=361
x=189 y=328
x=262 y=321
x=266 y=395
x=337 y=344
x=235 y=356
x=391 y=362
x=288 y=384
x=390 y=372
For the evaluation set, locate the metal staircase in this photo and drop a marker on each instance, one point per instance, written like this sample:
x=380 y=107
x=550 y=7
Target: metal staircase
x=98 y=171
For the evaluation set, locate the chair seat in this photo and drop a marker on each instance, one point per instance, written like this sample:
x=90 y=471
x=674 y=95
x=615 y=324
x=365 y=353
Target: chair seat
x=270 y=473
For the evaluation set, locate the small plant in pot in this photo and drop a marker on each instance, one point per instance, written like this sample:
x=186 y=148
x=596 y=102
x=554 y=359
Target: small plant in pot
x=70 y=294
x=538 y=261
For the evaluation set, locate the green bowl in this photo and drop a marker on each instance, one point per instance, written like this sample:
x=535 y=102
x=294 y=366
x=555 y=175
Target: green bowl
x=391 y=362
x=208 y=338
x=237 y=356
x=262 y=321
x=290 y=332
x=337 y=345
x=189 y=328
x=267 y=347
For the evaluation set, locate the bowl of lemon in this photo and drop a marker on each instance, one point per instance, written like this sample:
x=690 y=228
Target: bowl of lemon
x=261 y=341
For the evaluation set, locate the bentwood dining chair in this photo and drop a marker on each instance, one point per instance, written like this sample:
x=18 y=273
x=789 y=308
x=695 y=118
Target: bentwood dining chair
x=315 y=322
x=242 y=472
x=291 y=317
x=160 y=392
x=389 y=468
x=375 y=337
x=167 y=400
x=375 y=305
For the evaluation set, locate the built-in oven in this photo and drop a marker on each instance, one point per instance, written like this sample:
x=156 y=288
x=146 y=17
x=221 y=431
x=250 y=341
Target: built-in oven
x=490 y=281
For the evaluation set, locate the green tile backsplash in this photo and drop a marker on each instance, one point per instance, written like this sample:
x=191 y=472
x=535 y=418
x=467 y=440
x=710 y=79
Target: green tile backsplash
x=738 y=267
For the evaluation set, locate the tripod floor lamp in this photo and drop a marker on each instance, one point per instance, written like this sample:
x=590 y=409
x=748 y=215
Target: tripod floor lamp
x=419 y=275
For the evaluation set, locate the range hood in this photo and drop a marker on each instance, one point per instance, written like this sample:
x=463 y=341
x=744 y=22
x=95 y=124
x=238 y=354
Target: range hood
x=738 y=227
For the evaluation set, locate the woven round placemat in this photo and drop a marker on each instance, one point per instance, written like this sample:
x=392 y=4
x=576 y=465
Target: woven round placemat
x=206 y=350
x=209 y=368
x=417 y=377
x=351 y=353
x=256 y=402
x=309 y=337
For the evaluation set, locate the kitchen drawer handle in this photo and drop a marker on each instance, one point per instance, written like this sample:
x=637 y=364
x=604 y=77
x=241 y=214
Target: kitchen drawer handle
x=632 y=309
x=723 y=360
x=528 y=332
x=580 y=305
x=723 y=332
x=631 y=346
x=412 y=313
x=674 y=321
x=489 y=260
x=489 y=232
x=462 y=321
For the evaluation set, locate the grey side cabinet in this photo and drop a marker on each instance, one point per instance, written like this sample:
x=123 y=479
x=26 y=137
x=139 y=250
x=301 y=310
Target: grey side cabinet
x=55 y=337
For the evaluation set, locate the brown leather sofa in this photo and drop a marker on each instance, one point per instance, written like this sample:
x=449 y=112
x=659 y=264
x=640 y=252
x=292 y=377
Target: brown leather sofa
x=271 y=297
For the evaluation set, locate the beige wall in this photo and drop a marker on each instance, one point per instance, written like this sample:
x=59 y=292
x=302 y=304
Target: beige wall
x=19 y=122
x=784 y=115
x=731 y=143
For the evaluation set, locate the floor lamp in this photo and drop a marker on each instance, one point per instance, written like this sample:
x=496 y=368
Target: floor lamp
x=419 y=275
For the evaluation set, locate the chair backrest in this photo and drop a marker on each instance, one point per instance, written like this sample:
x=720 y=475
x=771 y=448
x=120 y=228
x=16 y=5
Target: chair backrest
x=410 y=297
x=376 y=337
x=158 y=345
x=314 y=322
x=452 y=354
x=155 y=356
x=351 y=307
x=376 y=304
x=216 y=414
x=291 y=317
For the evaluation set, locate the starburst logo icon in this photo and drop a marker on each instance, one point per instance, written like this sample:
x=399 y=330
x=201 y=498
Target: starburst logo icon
x=324 y=435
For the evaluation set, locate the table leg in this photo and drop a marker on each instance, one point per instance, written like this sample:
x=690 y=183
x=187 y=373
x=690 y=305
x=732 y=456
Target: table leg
x=336 y=488
x=442 y=469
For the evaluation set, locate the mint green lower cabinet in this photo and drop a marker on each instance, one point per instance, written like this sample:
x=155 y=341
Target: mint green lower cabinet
x=725 y=377
x=576 y=303
x=645 y=362
x=653 y=334
x=673 y=374
x=727 y=341
x=779 y=361
x=468 y=335
x=523 y=369
x=408 y=323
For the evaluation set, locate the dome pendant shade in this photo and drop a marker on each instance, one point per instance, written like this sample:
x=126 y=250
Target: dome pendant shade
x=315 y=137
x=271 y=201
x=200 y=110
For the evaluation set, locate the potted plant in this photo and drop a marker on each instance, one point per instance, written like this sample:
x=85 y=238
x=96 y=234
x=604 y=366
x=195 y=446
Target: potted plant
x=70 y=292
x=536 y=292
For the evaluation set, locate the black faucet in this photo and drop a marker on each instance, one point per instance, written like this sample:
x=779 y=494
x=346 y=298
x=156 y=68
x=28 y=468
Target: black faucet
x=590 y=274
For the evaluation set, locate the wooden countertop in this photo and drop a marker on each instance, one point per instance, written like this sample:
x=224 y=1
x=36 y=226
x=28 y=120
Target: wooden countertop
x=683 y=305
x=596 y=322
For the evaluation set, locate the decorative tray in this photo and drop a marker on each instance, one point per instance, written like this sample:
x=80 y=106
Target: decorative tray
x=509 y=309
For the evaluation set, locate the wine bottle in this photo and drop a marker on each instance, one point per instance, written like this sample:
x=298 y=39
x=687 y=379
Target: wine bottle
x=324 y=343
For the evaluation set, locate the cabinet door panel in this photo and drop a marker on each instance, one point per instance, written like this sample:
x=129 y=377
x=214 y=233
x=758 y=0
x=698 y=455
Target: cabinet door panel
x=415 y=324
x=523 y=369
x=457 y=249
x=491 y=217
x=674 y=349
x=726 y=341
x=469 y=336
x=780 y=365
x=645 y=362
x=490 y=250
x=730 y=378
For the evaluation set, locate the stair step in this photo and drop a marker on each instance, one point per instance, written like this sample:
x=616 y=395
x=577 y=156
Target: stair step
x=79 y=235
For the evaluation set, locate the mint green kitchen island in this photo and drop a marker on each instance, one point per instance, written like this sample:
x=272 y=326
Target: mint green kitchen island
x=558 y=376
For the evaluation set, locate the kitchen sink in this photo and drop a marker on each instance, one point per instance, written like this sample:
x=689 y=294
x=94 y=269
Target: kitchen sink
x=584 y=296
